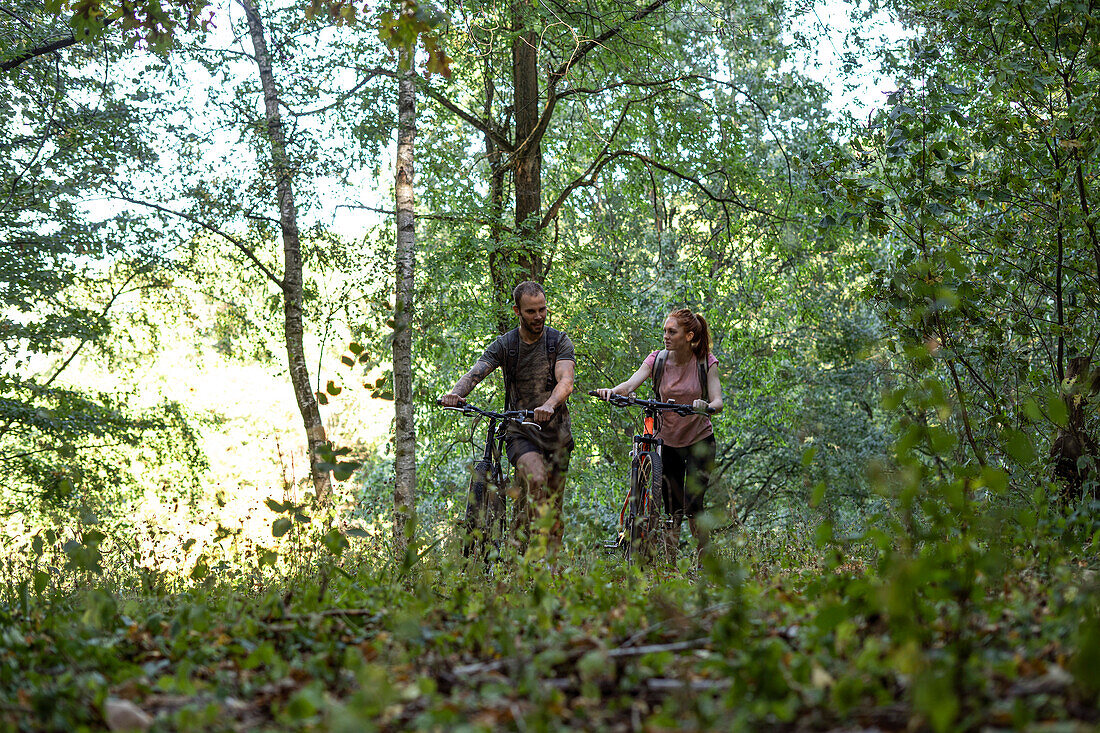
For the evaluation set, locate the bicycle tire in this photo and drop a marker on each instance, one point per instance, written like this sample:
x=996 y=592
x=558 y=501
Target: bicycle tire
x=485 y=510
x=646 y=474
x=476 y=523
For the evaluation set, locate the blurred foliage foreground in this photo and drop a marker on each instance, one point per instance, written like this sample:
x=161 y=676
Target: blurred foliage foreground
x=957 y=609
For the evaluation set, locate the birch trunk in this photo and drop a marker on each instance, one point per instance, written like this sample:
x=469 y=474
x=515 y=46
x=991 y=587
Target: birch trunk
x=292 y=260
x=404 y=497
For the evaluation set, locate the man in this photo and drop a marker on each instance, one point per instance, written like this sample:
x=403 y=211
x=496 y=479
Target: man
x=538 y=364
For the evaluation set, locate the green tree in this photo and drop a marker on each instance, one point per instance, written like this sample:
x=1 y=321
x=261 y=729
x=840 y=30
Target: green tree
x=65 y=273
x=980 y=173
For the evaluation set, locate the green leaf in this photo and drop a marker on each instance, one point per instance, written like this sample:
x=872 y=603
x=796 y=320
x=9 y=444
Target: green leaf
x=995 y=479
x=1018 y=445
x=345 y=470
x=335 y=541
x=1056 y=407
x=818 y=495
x=281 y=526
x=332 y=389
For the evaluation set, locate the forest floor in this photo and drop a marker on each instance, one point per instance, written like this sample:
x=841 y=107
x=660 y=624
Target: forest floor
x=352 y=645
x=218 y=626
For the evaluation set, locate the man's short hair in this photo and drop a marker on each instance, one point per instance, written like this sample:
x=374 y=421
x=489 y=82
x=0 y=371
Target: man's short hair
x=527 y=287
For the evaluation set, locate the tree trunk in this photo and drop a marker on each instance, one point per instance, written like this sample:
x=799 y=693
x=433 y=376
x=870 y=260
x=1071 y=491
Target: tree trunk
x=528 y=155
x=404 y=495
x=292 y=261
x=498 y=254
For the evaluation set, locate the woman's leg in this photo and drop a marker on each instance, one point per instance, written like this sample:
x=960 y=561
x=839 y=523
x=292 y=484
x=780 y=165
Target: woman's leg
x=699 y=463
x=672 y=490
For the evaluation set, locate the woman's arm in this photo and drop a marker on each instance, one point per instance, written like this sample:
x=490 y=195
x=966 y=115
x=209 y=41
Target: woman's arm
x=714 y=389
x=629 y=385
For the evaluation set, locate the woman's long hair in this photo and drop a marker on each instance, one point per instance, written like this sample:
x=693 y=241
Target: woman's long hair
x=696 y=324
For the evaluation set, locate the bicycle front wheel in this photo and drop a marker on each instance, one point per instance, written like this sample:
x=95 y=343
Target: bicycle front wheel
x=484 y=524
x=643 y=513
x=476 y=523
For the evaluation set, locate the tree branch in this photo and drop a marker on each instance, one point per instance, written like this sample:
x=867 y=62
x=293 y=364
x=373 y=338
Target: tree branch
x=429 y=217
x=36 y=51
x=588 y=179
x=484 y=126
x=241 y=246
x=581 y=50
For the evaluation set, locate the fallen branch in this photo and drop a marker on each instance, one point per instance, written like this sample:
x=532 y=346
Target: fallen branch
x=621 y=652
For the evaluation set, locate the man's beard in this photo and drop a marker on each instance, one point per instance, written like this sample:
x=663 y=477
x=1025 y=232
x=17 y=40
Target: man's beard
x=533 y=327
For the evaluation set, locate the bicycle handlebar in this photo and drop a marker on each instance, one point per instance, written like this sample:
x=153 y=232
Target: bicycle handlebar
x=619 y=400
x=523 y=417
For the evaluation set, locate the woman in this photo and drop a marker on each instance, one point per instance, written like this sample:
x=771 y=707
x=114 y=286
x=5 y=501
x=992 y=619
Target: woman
x=689 y=446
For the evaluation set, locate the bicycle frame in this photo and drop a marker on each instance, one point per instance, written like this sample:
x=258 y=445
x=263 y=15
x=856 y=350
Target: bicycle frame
x=486 y=497
x=640 y=514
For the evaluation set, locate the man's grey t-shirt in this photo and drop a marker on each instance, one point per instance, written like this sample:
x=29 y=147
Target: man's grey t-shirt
x=533 y=388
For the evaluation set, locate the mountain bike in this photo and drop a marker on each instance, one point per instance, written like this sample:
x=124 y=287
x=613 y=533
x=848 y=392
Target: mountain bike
x=483 y=524
x=640 y=516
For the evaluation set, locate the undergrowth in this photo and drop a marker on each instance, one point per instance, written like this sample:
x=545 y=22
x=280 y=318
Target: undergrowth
x=804 y=635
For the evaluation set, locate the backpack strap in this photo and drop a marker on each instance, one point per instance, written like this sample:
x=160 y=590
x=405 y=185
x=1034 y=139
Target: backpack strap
x=703 y=379
x=511 y=362
x=659 y=372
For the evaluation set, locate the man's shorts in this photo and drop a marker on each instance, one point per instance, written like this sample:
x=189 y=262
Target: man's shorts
x=557 y=459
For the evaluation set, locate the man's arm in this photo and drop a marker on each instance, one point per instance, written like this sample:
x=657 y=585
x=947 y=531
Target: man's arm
x=563 y=372
x=466 y=384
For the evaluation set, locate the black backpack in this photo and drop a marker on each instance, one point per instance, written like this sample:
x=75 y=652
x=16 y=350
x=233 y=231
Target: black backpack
x=659 y=371
x=511 y=362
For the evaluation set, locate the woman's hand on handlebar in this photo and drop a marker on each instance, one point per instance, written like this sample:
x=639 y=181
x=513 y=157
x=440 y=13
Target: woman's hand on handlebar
x=702 y=406
x=603 y=393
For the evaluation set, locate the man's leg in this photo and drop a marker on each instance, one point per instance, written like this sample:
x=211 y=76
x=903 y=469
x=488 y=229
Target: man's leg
x=531 y=476
x=555 y=501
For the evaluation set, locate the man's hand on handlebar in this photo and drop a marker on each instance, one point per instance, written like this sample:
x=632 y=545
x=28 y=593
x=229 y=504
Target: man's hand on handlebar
x=452 y=400
x=543 y=413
